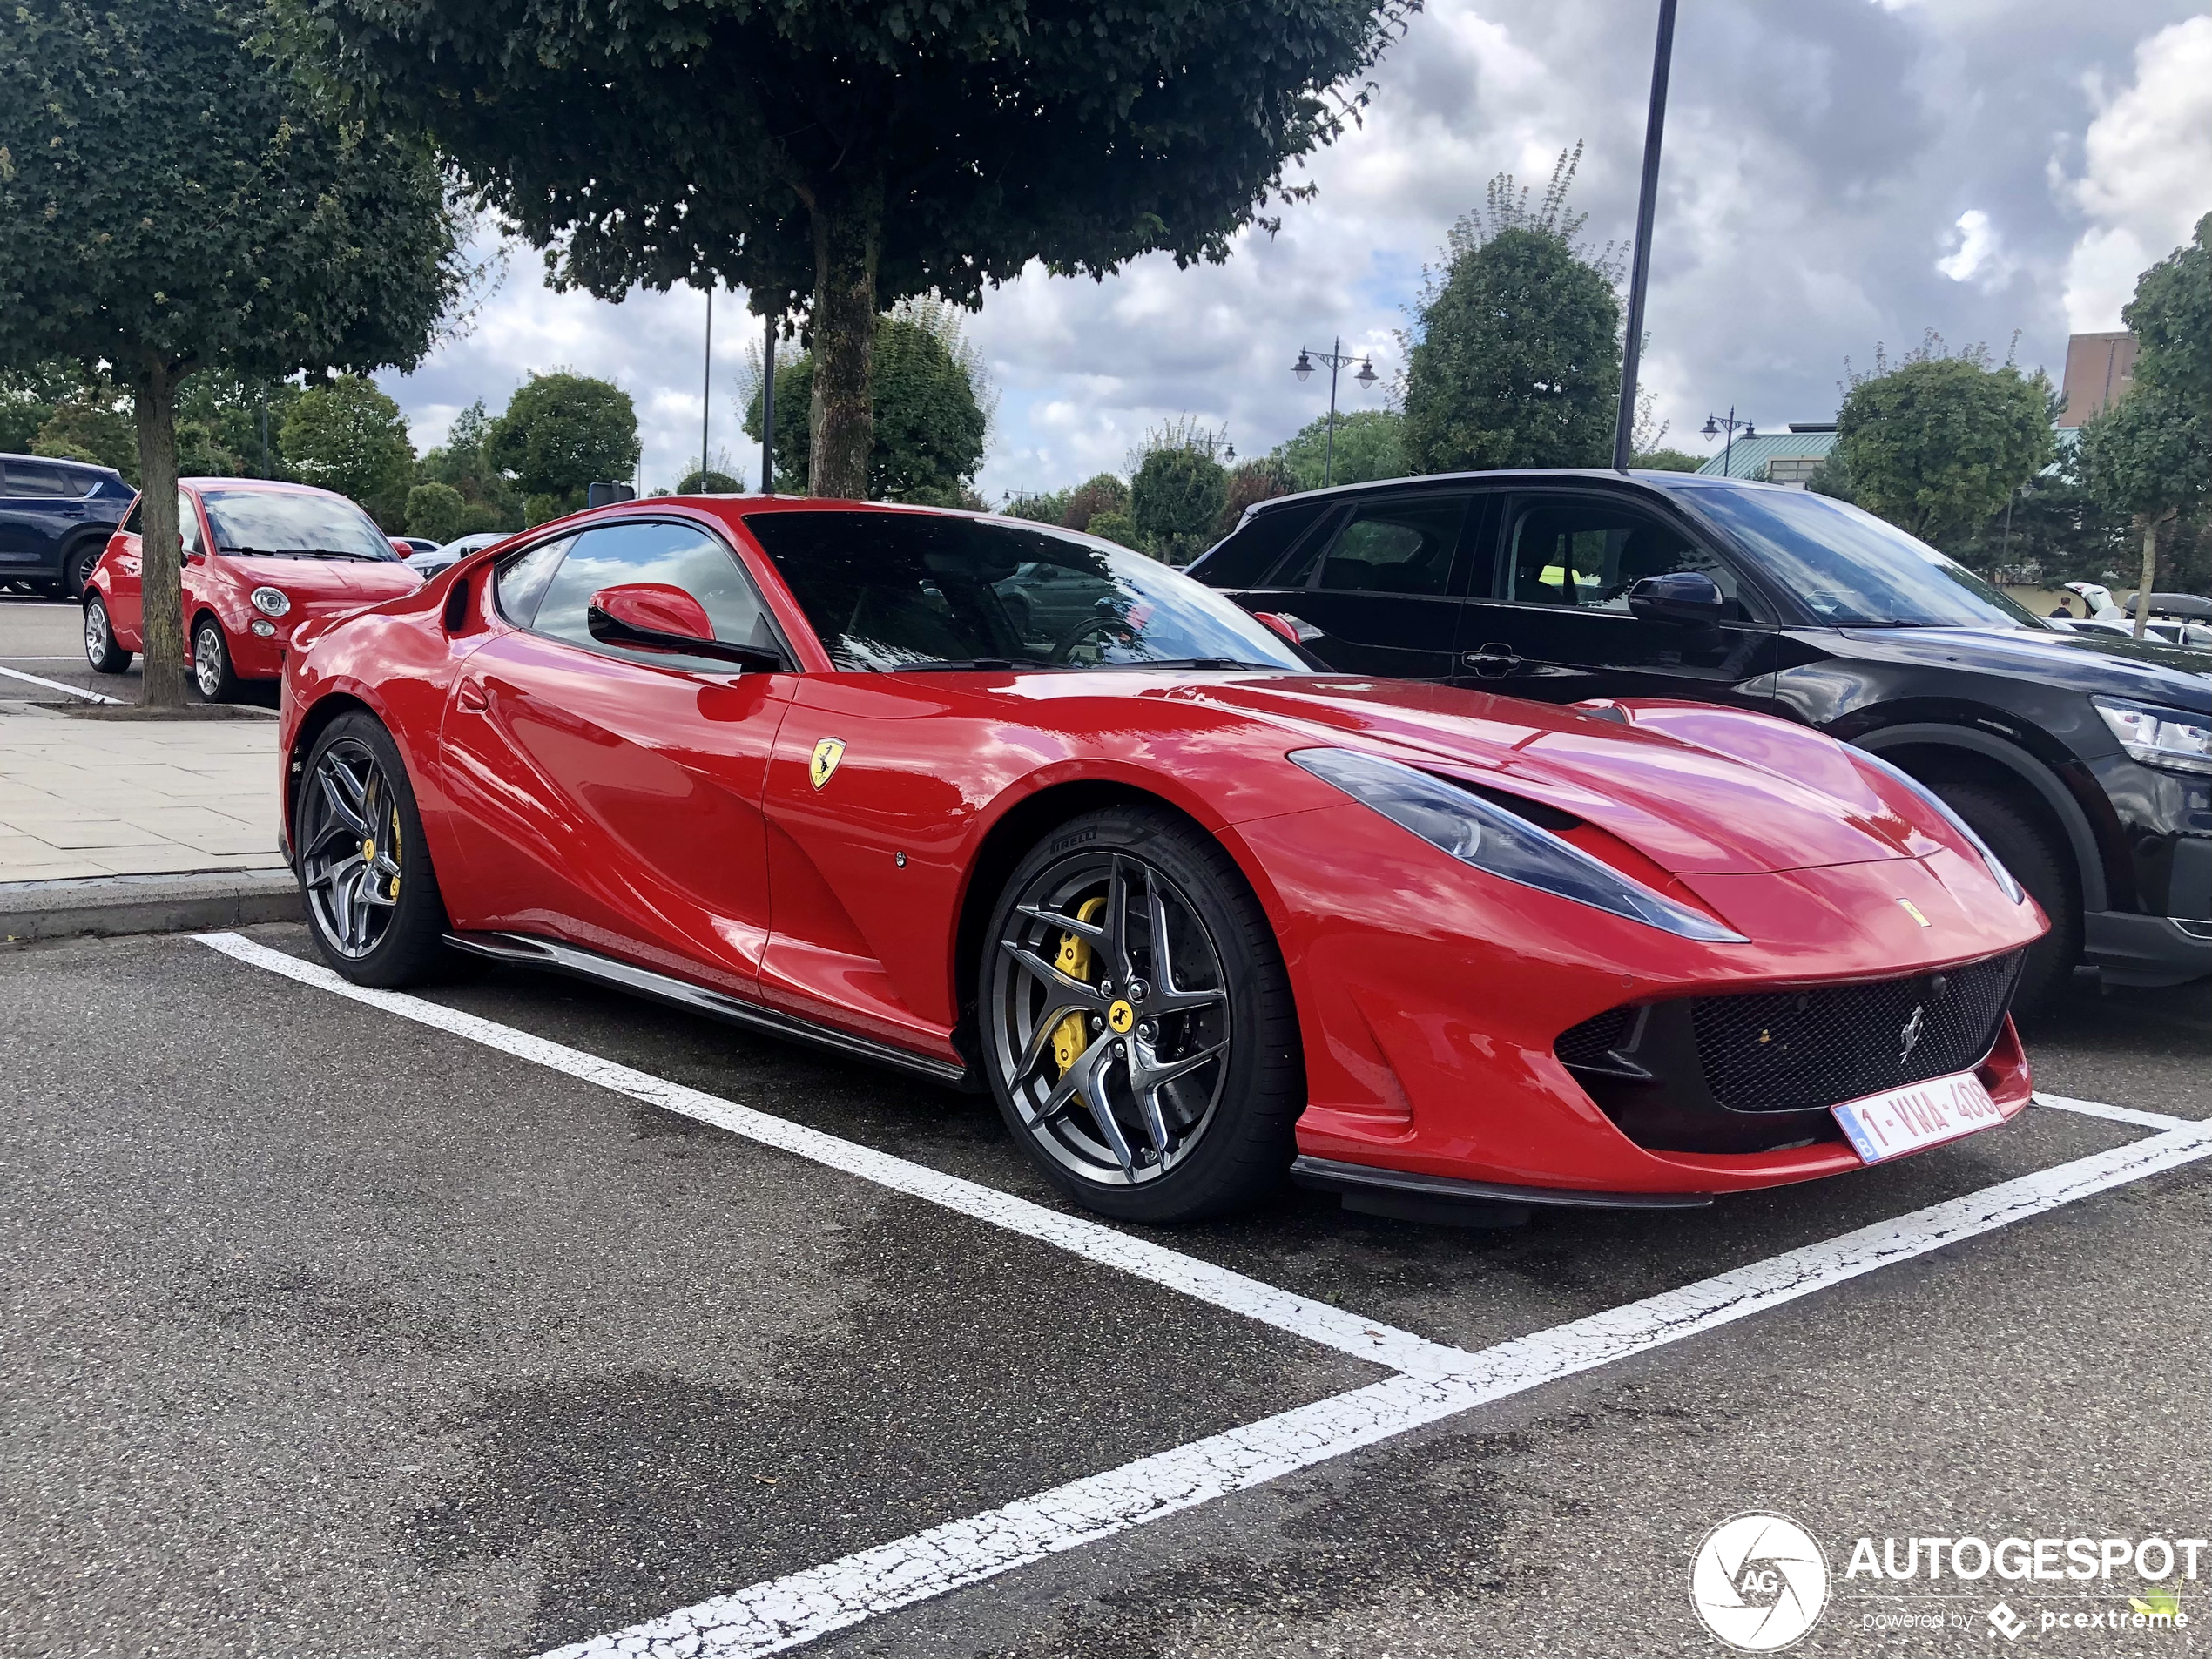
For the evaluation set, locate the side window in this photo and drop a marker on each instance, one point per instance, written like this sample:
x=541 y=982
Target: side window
x=675 y=555
x=523 y=578
x=134 y=523
x=30 y=478
x=1589 y=553
x=1396 y=546
x=188 y=525
x=1258 y=545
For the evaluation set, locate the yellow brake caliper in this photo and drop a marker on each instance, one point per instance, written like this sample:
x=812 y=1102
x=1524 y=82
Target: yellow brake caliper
x=395 y=856
x=1073 y=960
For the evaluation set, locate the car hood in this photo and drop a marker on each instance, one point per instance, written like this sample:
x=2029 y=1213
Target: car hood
x=2147 y=670
x=1698 y=790
x=350 y=581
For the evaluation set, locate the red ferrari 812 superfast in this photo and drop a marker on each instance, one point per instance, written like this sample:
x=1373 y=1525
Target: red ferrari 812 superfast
x=1009 y=807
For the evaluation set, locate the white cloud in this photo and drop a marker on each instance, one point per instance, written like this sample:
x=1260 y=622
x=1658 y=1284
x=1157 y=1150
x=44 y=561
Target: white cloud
x=2148 y=171
x=1980 y=257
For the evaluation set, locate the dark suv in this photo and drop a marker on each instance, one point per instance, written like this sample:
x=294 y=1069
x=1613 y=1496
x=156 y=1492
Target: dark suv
x=2084 y=761
x=55 y=519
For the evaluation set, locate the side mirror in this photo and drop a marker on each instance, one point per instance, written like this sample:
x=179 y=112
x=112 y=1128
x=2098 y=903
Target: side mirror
x=652 y=615
x=1688 y=597
x=401 y=549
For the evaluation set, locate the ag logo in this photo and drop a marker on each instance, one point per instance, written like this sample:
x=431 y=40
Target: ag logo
x=1120 y=1016
x=828 y=753
x=1758 y=1581
x=1909 y=1036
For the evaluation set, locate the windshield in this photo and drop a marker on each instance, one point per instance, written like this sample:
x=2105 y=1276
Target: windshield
x=904 y=591
x=269 y=521
x=1854 y=569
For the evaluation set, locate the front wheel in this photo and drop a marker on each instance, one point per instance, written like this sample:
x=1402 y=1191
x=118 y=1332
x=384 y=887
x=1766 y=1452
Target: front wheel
x=211 y=662
x=2045 y=870
x=372 y=898
x=1137 y=1024
x=100 y=648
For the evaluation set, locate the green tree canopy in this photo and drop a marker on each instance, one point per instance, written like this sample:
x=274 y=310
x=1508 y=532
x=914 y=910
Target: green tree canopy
x=842 y=158
x=1115 y=527
x=1101 y=493
x=929 y=422
x=438 y=511
x=2147 y=456
x=709 y=482
x=1252 y=482
x=1370 y=443
x=2171 y=316
x=1667 y=461
x=1515 y=358
x=1176 y=494
x=1042 y=508
x=561 y=432
x=171 y=198
x=90 y=425
x=1938 y=444
x=350 y=437
x=492 y=502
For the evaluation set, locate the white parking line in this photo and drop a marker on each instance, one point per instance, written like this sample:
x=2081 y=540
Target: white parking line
x=2114 y=1114
x=55 y=685
x=1435 y=1380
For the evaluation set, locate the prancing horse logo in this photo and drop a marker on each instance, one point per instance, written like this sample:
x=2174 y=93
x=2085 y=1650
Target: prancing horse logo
x=1909 y=1038
x=828 y=753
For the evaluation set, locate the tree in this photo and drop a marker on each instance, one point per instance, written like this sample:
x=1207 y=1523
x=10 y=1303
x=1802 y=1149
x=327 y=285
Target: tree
x=929 y=422
x=437 y=511
x=459 y=463
x=89 y=426
x=1668 y=460
x=1370 y=443
x=2171 y=318
x=1047 y=508
x=232 y=422
x=841 y=158
x=709 y=482
x=1101 y=493
x=350 y=437
x=172 y=197
x=1938 y=444
x=1514 y=359
x=561 y=432
x=1177 y=492
x=1253 y=481
x=1115 y=527
x=2146 y=457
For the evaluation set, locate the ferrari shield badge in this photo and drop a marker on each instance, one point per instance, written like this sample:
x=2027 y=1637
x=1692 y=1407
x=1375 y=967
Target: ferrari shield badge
x=828 y=753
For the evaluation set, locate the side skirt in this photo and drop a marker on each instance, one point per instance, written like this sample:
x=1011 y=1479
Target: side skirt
x=527 y=950
x=1444 y=1201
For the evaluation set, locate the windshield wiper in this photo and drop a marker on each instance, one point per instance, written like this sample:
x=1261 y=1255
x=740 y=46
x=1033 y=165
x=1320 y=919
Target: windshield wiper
x=1202 y=661
x=958 y=665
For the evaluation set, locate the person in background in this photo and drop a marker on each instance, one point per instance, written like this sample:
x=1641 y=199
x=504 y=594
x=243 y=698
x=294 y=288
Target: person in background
x=2062 y=609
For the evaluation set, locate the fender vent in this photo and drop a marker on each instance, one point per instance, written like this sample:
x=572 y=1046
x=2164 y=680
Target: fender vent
x=456 y=611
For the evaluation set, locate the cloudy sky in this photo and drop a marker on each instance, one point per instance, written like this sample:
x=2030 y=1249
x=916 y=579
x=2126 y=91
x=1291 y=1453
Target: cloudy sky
x=1838 y=173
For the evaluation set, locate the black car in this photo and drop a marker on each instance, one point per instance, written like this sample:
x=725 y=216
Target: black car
x=55 y=519
x=2084 y=761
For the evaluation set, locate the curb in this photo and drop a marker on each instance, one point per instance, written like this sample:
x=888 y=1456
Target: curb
x=146 y=904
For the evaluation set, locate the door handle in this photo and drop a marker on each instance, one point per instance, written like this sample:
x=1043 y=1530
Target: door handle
x=1493 y=659
x=472 y=697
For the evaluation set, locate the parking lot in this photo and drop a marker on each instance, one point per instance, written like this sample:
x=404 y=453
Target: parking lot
x=522 y=1314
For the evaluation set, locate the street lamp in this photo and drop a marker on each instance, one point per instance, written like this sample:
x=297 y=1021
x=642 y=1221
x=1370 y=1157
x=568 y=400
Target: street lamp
x=1336 y=357
x=1712 y=429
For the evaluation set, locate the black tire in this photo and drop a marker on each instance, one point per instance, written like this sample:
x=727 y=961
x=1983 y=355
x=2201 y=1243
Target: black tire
x=76 y=569
x=211 y=661
x=377 y=919
x=100 y=648
x=1218 y=1035
x=2046 y=868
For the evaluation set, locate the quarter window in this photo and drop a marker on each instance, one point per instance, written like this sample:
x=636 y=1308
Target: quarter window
x=1396 y=546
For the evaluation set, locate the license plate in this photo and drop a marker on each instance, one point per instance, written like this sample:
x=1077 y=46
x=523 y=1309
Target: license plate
x=1905 y=1119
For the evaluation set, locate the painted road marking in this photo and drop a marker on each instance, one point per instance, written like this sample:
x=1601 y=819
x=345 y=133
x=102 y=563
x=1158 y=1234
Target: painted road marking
x=2114 y=1114
x=1435 y=1381
x=55 y=685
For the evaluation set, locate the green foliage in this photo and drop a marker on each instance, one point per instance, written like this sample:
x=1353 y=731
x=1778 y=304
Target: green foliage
x=2058 y=527
x=1667 y=461
x=1514 y=360
x=438 y=511
x=349 y=437
x=1101 y=493
x=1176 y=498
x=709 y=482
x=843 y=157
x=1115 y=527
x=2171 y=319
x=493 y=503
x=1936 y=444
x=90 y=426
x=29 y=396
x=219 y=417
x=929 y=422
x=1370 y=443
x=1253 y=481
x=1048 y=508
x=560 y=433
x=2146 y=457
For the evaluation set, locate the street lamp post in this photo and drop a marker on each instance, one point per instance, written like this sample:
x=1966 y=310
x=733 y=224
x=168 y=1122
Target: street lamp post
x=1640 y=271
x=1336 y=357
x=706 y=383
x=1712 y=429
x=768 y=411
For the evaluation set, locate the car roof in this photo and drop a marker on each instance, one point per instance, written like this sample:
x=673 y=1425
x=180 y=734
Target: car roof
x=1651 y=477
x=64 y=462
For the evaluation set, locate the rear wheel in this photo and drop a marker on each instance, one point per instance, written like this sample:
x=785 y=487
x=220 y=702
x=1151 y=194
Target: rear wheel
x=2025 y=847
x=100 y=648
x=76 y=573
x=372 y=898
x=1137 y=1024
x=211 y=662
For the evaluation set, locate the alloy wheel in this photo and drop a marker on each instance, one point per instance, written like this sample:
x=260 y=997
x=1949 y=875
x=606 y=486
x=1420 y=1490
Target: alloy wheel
x=350 y=847
x=95 y=634
x=1111 y=1023
x=207 y=660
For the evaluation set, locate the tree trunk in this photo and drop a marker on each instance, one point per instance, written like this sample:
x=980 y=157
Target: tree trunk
x=160 y=546
x=848 y=231
x=2145 y=588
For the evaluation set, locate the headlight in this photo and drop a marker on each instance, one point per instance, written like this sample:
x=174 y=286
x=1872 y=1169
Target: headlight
x=2160 y=737
x=270 y=602
x=1490 y=838
x=1942 y=809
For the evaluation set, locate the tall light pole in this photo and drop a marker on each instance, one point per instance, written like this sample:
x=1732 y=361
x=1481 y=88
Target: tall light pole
x=706 y=384
x=1713 y=426
x=1336 y=357
x=1640 y=271
x=768 y=411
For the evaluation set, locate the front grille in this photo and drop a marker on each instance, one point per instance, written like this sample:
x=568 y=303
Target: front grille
x=1786 y=1051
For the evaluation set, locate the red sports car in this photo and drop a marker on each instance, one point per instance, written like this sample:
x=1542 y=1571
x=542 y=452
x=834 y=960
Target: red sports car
x=1193 y=913
x=261 y=559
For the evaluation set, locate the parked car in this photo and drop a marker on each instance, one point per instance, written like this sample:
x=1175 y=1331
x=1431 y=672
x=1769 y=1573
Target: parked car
x=2194 y=636
x=55 y=517
x=1189 y=909
x=408 y=547
x=428 y=563
x=261 y=559
x=2086 y=761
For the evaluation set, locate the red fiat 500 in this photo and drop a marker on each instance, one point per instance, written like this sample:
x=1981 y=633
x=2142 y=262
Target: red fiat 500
x=260 y=558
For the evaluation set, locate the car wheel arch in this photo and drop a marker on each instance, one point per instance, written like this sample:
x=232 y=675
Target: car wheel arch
x=317 y=719
x=2016 y=768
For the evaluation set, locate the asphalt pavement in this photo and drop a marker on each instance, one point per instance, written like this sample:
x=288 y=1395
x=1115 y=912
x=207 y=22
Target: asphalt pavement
x=334 y=1330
